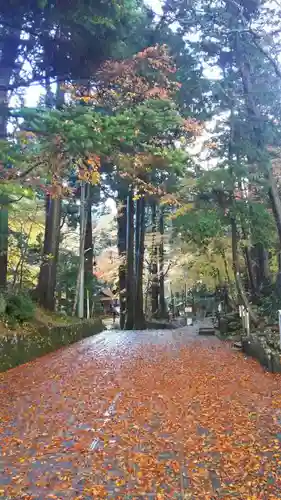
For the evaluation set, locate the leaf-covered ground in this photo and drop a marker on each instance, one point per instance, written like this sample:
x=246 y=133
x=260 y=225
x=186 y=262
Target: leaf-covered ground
x=141 y=416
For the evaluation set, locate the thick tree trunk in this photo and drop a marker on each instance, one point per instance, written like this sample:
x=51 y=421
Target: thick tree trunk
x=137 y=236
x=89 y=254
x=130 y=274
x=9 y=49
x=46 y=289
x=140 y=234
x=255 y=116
x=275 y=203
x=162 y=302
x=261 y=266
x=122 y=245
x=250 y=272
x=59 y=298
x=247 y=248
x=69 y=300
x=236 y=269
x=154 y=265
x=8 y=55
x=48 y=271
x=225 y=263
x=4 y=232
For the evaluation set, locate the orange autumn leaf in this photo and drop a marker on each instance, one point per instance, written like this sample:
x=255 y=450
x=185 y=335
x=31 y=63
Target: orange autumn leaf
x=192 y=419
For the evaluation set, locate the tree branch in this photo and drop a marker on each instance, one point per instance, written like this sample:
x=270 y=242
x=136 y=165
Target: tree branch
x=168 y=269
x=12 y=201
x=63 y=221
x=256 y=38
x=266 y=54
x=21 y=175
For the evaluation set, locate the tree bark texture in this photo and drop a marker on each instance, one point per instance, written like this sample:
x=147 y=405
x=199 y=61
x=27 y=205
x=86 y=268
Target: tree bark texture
x=47 y=280
x=122 y=245
x=154 y=264
x=130 y=274
x=48 y=271
x=162 y=302
x=88 y=253
x=236 y=269
x=8 y=55
x=140 y=235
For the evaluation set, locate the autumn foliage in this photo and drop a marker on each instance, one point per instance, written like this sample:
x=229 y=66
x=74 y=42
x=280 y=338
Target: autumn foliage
x=147 y=75
x=131 y=132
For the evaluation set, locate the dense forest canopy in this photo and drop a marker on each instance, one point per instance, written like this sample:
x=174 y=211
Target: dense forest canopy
x=170 y=122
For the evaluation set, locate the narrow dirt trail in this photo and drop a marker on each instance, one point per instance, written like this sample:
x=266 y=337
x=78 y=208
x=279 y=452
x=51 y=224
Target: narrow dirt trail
x=141 y=415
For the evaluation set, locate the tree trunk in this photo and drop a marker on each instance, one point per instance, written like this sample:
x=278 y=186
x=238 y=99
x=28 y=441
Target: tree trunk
x=8 y=55
x=88 y=253
x=162 y=302
x=79 y=303
x=236 y=269
x=59 y=298
x=225 y=263
x=247 y=248
x=122 y=245
x=48 y=271
x=261 y=266
x=154 y=265
x=140 y=234
x=130 y=275
x=137 y=236
x=172 y=305
x=250 y=272
x=69 y=300
x=9 y=49
x=4 y=232
x=255 y=116
x=276 y=204
x=46 y=289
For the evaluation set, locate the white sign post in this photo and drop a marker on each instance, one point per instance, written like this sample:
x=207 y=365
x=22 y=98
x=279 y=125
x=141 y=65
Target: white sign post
x=279 y=317
x=240 y=311
x=247 y=322
x=188 y=315
x=242 y=316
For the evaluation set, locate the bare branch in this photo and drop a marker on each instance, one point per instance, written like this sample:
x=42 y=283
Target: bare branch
x=63 y=221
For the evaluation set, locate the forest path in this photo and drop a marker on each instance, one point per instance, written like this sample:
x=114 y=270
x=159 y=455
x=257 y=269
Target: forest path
x=141 y=415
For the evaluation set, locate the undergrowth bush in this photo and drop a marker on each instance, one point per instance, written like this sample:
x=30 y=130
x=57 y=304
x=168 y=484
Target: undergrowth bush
x=19 y=308
x=269 y=307
x=3 y=304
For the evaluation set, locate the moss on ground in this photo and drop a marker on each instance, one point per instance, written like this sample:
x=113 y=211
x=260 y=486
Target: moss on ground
x=46 y=333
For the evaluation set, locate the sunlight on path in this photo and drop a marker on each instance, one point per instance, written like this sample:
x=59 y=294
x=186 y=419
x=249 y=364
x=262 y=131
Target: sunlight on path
x=152 y=415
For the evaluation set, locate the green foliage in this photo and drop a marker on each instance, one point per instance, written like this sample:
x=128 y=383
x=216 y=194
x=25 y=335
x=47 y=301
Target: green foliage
x=68 y=266
x=3 y=304
x=262 y=223
x=270 y=305
x=199 y=226
x=86 y=130
x=19 y=307
x=86 y=33
x=150 y=128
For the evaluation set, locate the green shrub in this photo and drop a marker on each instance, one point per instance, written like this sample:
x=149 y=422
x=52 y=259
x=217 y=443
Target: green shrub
x=20 y=308
x=3 y=304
